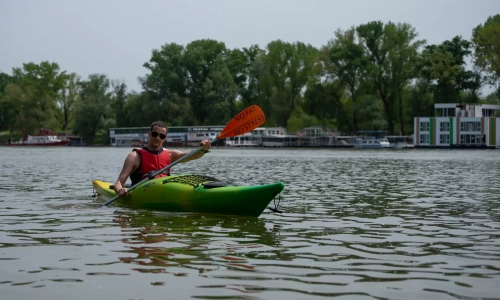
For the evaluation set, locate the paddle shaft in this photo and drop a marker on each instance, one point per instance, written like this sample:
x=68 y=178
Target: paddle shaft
x=152 y=175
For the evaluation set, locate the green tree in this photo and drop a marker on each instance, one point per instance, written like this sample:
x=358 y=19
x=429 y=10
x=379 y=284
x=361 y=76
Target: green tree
x=194 y=84
x=421 y=100
x=11 y=103
x=250 y=93
x=376 y=45
x=486 y=41
x=137 y=110
x=439 y=66
x=118 y=102
x=8 y=112
x=371 y=112
x=68 y=95
x=325 y=102
x=288 y=71
x=93 y=112
x=392 y=51
x=4 y=80
x=402 y=58
x=167 y=87
x=345 y=59
x=212 y=91
x=41 y=84
x=260 y=87
x=445 y=65
x=237 y=66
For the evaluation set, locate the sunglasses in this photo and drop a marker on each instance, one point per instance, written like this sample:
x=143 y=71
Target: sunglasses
x=155 y=134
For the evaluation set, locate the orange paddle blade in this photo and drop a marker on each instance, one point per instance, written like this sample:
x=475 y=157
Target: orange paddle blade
x=246 y=121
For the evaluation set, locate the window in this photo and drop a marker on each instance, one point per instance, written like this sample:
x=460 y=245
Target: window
x=445 y=112
x=472 y=139
x=444 y=139
x=424 y=126
x=424 y=139
x=444 y=126
x=488 y=113
x=470 y=126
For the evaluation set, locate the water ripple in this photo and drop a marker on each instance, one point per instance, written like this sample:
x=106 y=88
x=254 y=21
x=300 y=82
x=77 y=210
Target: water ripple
x=356 y=225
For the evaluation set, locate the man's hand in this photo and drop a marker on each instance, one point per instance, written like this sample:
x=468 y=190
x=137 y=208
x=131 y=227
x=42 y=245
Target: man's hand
x=206 y=145
x=120 y=190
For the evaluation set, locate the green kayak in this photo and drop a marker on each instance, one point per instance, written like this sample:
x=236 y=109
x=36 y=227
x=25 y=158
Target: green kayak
x=195 y=193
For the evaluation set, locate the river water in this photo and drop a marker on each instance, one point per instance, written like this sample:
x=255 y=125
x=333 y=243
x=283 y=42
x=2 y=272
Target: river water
x=357 y=224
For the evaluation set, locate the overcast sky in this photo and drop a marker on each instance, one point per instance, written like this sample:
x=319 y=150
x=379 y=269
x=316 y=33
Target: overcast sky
x=116 y=37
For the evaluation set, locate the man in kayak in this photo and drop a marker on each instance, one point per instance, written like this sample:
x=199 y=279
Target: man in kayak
x=140 y=162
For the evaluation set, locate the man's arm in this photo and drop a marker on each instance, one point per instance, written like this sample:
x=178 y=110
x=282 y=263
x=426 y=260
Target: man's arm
x=130 y=164
x=176 y=154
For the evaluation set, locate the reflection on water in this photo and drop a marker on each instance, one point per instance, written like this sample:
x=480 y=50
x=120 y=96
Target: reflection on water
x=408 y=224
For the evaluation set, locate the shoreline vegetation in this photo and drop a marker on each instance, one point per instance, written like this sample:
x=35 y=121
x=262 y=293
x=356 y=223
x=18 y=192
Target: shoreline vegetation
x=373 y=76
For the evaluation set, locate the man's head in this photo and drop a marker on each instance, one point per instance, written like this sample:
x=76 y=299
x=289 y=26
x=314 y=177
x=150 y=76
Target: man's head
x=160 y=124
x=157 y=134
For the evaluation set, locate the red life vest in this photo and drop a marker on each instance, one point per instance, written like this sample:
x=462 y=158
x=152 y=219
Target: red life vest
x=153 y=162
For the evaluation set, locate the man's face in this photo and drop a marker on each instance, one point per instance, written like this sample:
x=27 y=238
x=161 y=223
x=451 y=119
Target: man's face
x=157 y=135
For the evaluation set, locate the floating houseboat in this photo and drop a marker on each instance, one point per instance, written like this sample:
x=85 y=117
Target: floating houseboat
x=459 y=126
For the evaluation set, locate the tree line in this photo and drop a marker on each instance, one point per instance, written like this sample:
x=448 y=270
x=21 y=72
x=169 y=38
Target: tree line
x=375 y=76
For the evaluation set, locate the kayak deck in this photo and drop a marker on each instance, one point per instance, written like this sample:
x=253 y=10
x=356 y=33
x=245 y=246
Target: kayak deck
x=195 y=193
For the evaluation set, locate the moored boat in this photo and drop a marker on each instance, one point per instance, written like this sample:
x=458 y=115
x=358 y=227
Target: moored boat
x=370 y=142
x=44 y=137
x=195 y=193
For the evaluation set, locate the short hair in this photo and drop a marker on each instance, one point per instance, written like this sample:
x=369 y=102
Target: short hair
x=159 y=124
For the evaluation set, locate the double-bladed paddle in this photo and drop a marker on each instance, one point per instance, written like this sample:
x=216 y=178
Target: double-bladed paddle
x=246 y=121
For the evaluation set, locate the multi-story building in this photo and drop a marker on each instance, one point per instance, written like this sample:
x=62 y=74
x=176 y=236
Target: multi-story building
x=459 y=126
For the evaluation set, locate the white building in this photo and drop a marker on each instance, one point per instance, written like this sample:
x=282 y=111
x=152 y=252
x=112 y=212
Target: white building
x=192 y=135
x=135 y=136
x=258 y=137
x=458 y=125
